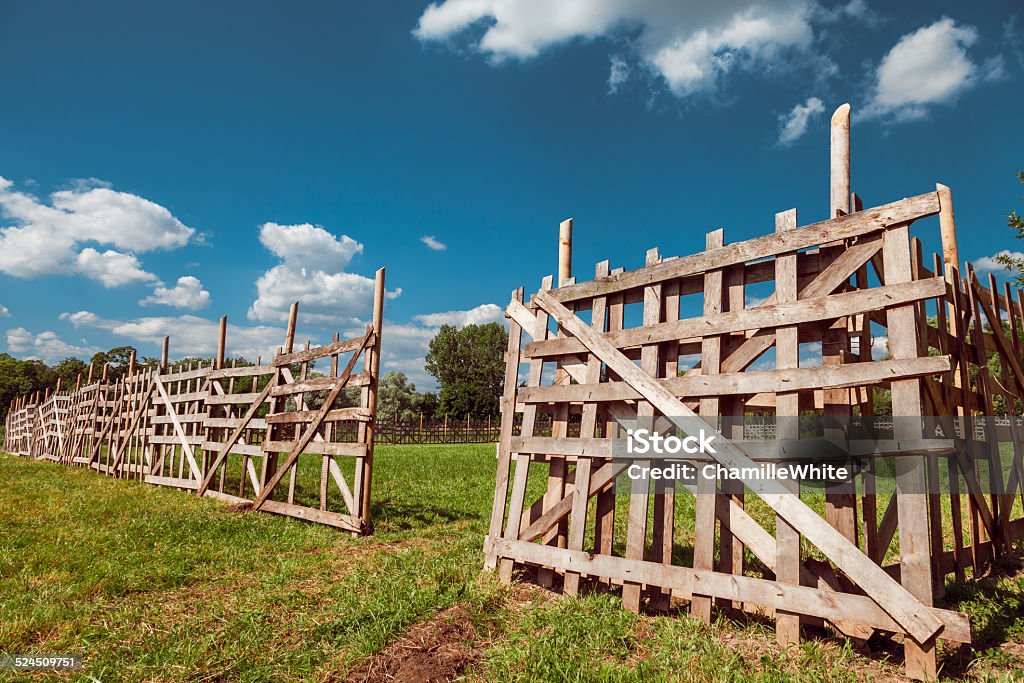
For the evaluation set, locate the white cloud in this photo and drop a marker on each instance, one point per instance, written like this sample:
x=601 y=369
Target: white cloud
x=4 y=312
x=794 y=124
x=111 y=268
x=855 y=9
x=990 y=264
x=618 y=73
x=45 y=239
x=190 y=335
x=994 y=69
x=484 y=313
x=691 y=45
x=433 y=243
x=879 y=347
x=45 y=346
x=311 y=272
x=188 y=293
x=927 y=67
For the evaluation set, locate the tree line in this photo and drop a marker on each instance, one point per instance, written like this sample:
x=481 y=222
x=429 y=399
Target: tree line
x=467 y=362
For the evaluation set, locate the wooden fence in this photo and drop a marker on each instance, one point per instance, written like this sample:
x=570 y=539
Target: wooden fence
x=833 y=281
x=438 y=431
x=236 y=433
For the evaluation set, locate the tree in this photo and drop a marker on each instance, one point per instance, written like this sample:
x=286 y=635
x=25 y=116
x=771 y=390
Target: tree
x=394 y=396
x=118 y=358
x=469 y=366
x=20 y=377
x=425 y=404
x=68 y=370
x=1015 y=223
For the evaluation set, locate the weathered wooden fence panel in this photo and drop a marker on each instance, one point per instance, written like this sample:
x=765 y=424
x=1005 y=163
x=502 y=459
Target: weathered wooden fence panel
x=834 y=281
x=221 y=431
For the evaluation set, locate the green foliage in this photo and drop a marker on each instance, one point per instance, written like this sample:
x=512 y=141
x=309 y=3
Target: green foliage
x=117 y=359
x=470 y=369
x=68 y=370
x=1016 y=223
x=20 y=377
x=881 y=402
x=397 y=399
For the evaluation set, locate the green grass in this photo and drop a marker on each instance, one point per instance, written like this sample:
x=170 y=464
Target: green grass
x=153 y=584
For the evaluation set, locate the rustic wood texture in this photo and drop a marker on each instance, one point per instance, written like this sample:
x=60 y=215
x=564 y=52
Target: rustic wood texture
x=846 y=283
x=218 y=428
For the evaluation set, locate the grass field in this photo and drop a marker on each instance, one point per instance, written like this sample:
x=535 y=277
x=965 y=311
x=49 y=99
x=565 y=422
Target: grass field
x=152 y=584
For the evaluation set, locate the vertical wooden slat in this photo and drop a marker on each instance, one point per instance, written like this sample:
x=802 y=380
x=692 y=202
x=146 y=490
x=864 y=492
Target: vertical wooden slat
x=915 y=563
x=787 y=408
x=710 y=363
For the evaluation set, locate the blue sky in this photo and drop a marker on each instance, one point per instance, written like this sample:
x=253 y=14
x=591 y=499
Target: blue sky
x=266 y=151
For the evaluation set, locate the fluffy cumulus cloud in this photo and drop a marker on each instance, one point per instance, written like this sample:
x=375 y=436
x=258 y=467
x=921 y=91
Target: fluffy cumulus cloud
x=992 y=264
x=927 y=67
x=111 y=268
x=312 y=272
x=794 y=124
x=44 y=346
x=484 y=313
x=190 y=335
x=188 y=293
x=39 y=238
x=433 y=243
x=4 y=312
x=691 y=46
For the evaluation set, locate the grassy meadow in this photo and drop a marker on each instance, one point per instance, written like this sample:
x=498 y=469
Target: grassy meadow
x=152 y=584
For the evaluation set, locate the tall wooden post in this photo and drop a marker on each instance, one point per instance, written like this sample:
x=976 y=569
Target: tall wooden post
x=840 y=500
x=293 y=316
x=840 y=166
x=372 y=365
x=564 y=251
x=164 y=353
x=950 y=252
x=222 y=336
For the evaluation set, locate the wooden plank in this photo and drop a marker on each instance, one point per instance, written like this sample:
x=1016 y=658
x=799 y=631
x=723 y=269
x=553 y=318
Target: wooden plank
x=744 y=383
x=233 y=422
x=685 y=582
x=360 y=379
x=234 y=399
x=807 y=310
x=787 y=408
x=357 y=413
x=355 y=450
x=890 y=595
x=854 y=225
x=508 y=413
x=243 y=371
x=307 y=355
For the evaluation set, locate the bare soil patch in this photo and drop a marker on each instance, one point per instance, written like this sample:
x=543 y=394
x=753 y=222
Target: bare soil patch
x=434 y=651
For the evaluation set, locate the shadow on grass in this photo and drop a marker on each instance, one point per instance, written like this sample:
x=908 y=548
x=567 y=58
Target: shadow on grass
x=402 y=516
x=995 y=603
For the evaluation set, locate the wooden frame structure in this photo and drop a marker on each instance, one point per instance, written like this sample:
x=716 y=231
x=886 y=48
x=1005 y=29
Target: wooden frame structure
x=834 y=281
x=233 y=433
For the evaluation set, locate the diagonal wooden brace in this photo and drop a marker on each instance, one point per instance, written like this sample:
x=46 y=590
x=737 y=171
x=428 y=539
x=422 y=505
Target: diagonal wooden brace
x=314 y=425
x=903 y=607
